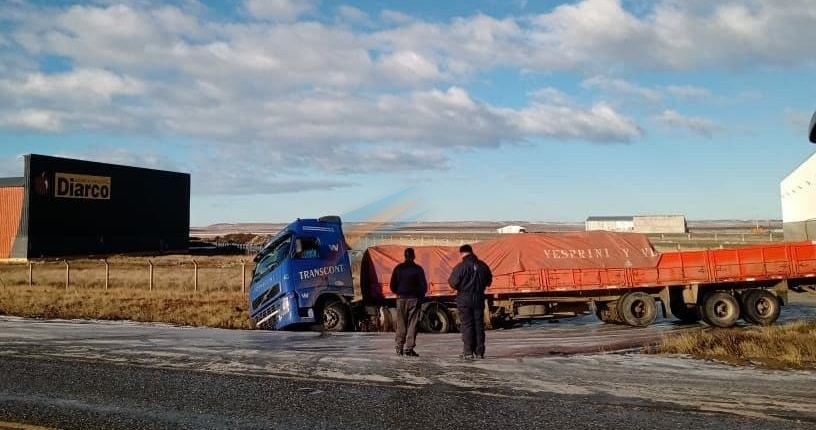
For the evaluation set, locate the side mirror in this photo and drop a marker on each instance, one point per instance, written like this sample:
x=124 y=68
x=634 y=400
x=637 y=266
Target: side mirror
x=813 y=128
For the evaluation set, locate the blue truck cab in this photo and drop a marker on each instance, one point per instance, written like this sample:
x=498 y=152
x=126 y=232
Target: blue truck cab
x=303 y=277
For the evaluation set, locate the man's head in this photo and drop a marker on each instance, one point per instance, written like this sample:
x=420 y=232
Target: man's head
x=409 y=254
x=465 y=250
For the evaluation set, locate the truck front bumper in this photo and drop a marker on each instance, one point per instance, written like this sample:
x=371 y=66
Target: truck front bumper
x=280 y=314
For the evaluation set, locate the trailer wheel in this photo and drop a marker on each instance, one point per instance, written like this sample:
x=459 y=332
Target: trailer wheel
x=760 y=307
x=335 y=316
x=721 y=309
x=637 y=309
x=607 y=312
x=435 y=319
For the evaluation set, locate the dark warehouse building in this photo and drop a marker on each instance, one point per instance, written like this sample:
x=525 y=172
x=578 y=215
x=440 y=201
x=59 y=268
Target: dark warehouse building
x=65 y=207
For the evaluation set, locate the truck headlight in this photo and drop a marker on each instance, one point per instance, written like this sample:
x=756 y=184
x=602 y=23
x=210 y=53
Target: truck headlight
x=285 y=306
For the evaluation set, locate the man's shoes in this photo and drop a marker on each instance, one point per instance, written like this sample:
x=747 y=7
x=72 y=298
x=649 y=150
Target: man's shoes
x=399 y=350
x=480 y=356
x=411 y=353
x=467 y=356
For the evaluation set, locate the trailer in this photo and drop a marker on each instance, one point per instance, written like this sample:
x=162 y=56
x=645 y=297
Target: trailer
x=304 y=277
x=717 y=286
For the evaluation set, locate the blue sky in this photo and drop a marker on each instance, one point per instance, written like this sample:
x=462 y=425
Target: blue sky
x=491 y=110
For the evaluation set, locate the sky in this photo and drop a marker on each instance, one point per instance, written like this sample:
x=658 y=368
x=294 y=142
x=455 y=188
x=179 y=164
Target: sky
x=477 y=110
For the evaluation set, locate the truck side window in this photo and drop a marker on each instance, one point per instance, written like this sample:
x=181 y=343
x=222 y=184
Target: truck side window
x=307 y=247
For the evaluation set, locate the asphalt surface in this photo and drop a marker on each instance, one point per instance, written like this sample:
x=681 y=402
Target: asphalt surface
x=77 y=395
x=76 y=375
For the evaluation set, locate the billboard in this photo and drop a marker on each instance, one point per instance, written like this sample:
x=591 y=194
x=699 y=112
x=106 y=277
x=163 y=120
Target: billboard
x=79 y=207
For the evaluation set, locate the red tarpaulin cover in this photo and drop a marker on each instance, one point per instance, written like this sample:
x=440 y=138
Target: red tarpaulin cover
x=512 y=254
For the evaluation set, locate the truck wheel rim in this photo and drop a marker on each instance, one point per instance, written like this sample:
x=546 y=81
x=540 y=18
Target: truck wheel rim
x=763 y=307
x=722 y=309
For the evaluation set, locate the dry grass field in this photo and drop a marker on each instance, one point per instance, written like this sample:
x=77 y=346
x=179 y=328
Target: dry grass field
x=791 y=345
x=205 y=309
x=217 y=300
x=170 y=273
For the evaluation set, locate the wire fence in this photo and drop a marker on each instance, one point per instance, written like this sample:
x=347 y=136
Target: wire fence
x=193 y=275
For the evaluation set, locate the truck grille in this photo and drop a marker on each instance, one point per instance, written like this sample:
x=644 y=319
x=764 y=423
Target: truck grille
x=270 y=323
x=263 y=298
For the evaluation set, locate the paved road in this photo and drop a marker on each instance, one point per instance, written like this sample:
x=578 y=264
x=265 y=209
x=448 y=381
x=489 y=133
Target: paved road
x=66 y=374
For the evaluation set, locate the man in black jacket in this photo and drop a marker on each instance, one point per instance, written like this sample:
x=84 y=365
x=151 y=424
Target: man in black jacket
x=470 y=278
x=409 y=284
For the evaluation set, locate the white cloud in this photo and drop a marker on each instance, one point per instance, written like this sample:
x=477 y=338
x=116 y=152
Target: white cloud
x=623 y=88
x=33 y=119
x=395 y=17
x=353 y=15
x=409 y=66
x=552 y=95
x=276 y=87
x=698 y=125
x=279 y=10
x=600 y=122
x=80 y=84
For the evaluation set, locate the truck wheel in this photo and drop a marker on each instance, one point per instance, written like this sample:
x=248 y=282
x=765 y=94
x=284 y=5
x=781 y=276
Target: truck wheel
x=435 y=319
x=721 y=309
x=760 y=307
x=637 y=309
x=607 y=312
x=335 y=316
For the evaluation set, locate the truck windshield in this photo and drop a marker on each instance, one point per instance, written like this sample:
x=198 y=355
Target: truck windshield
x=273 y=259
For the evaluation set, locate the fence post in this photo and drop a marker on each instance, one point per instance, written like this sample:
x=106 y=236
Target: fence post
x=67 y=274
x=243 y=276
x=150 y=263
x=107 y=274
x=195 y=275
x=30 y=274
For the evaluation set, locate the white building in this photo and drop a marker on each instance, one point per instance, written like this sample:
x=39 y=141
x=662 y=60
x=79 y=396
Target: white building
x=650 y=224
x=610 y=223
x=511 y=229
x=647 y=224
x=798 y=192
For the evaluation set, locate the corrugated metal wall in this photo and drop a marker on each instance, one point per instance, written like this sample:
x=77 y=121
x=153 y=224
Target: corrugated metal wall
x=11 y=205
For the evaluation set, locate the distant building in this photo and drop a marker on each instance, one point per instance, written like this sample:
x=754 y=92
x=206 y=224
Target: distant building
x=798 y=193
x=647 y=224
x=65 y=207
x=610 y=223
x=511 y=229
x=660 y=224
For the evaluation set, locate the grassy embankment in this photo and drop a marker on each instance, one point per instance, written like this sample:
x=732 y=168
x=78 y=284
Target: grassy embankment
x=218 y=300
x=786 y=346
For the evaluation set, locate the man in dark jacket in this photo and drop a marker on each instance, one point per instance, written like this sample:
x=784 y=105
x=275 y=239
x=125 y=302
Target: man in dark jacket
x=409 y=284
x=470 y=278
